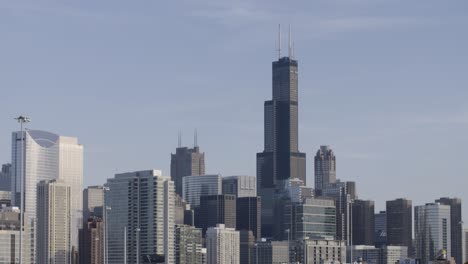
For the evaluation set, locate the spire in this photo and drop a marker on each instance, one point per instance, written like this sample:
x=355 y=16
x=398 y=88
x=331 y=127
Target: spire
x=290 y=55
x=279 y=41
x=195 y=138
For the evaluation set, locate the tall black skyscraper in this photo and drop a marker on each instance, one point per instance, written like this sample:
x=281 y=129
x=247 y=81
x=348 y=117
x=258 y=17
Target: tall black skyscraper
x=456 y=226
x=281 y=158
x=400 y=223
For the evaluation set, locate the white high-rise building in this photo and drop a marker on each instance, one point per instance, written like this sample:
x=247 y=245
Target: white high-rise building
x=142 y=204
x=222 y=245
x=195 y=186
x=46 y=156
x=432 y=231
x=53 y=222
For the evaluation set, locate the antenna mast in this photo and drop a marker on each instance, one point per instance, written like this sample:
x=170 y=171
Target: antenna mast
x=290 y=44
x=279 y=41
x=195 y=138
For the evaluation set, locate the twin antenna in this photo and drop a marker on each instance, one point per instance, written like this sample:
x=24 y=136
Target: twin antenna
x=195 y=139
x=290 y=43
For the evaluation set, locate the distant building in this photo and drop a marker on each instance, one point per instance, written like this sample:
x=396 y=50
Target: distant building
x=296 y=190
x=325 y=168
x=54 y=222
x=456 y=225
x=322 y=251
x=400 y=223
x=240 y=186
x=5 y=199
x=184 y=215
x=222 y=245
x=216 y=209
x=249 y=215
x=271 y=252
x=432 y=231
x=91 y=241
x=383 y=255
x=188 y=245
x=196 y=186
x=380 y=228
x=315 y=217
x=186 y=162
x=142 y=203
x=93 y=202
x=9 y=235
x=247 y=244
x=5 y=178
x=363 y=222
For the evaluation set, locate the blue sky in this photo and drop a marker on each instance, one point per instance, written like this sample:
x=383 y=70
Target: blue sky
x=384 y=83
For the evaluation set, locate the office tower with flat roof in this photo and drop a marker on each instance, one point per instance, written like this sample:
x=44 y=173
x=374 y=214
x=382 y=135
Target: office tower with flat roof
x=271 y=252
x=432 y=231
x=322 y=251
x=47 y=156
x=93 y=202
x=380 y=229
x=249 y=215
x=343 y=193
x=188 y=245
x=186 y=162
x=91 y=241
x=400 y=223
x=325 y=168
x=313 y=218
x=196 y=186
x=142 y=204
x=240 y=186
x=456 y=224
x=281 y=158
x=5 y=178
x=222 y=245
x=216 y=209
x=54 y=211
x=9 y=235
x=362 y=222
x=247 y=244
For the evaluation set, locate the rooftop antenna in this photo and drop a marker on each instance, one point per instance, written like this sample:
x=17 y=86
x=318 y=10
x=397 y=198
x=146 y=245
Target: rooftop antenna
x=279 y=41
x=180 y=139
x=290 y=43
x=195 y=138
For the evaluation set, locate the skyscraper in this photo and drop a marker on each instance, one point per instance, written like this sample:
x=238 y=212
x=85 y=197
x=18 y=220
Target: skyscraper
x=142 y=203
x=281 y=158
x=325 y=168
x=240 y=186
x=93 y=202
x=216 y=209
x=249 y=215
x=432 y=231
x=222 y=245
x=188 y=245
x=196 y=186
x=47 y=156
x=54 y=222
x=247 y=243
x=456 y=224
x=186 y=162
x=91 y=241
x=400 y=223
x=380 y=228
x=363 y=222
x=5 y=178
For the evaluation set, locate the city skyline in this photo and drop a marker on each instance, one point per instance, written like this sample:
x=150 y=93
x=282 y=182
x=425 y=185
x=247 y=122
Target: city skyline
x=420 y=116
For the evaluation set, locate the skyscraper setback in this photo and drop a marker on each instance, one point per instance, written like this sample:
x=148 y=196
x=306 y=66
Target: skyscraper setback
x=281 y=158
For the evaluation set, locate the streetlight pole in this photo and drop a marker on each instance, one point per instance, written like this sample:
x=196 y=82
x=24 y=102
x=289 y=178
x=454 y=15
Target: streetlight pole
x=22 y=120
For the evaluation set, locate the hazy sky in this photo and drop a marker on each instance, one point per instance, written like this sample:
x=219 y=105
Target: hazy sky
x=384 y=83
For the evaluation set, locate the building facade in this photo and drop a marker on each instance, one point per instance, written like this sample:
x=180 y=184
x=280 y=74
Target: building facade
x=141 y=207
x=194 y=187
x=248 y=216
x=222 y=245
x=322 y=251
x=188 y=245
x=432 y=231
x=93 y=202
x=240 y=186
x=47 y=156
x=281 y=158
x=271 y=252
x=363 y=222
x=216 y=209
x=186 y=162
x=325 y=168
x=5 y=178
x=9 y=235
x=399 y=223
x=246 y=247
x=456 y=225
x=92 y=241
x=380 y=228
x=54 y=215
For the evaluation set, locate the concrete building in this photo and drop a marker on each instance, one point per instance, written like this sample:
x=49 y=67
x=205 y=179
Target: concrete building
x=216 y=209
x=248 y=216
x=432 y=229
x=315 y=217
x=271 y=252
x=92 y=241
x=142 y=204
x=54 y=213
x=194 y=187
x=363 y=222
x=188 y=245
x=400 y=223
x=380 y=228
x=222 y=245
x=9 y=235
x=325 y=168
x=186 y=162
x=281 y=158
x=322 y=251
x=47 y=156
x=5 y=178
x=456 y=225
x=247 y=244
x=240 y=186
